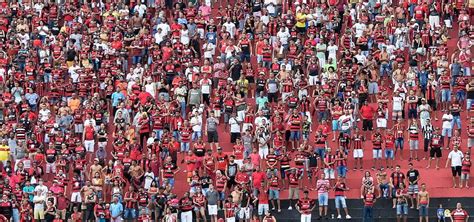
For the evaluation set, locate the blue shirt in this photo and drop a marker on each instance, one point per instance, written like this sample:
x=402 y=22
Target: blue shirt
x=29 y=189
x=116 y=209
x=116 y=97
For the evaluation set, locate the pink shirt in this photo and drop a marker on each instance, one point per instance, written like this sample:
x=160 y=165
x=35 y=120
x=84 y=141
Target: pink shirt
x=206 y=11
x=255 y=158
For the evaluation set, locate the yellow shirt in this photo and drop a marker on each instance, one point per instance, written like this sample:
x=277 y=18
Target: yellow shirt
x=74 y=104
x=4 y=152
x=300 y=20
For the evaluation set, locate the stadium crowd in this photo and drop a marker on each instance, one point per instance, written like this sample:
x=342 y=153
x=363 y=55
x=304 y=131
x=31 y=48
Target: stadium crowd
x=180 y=111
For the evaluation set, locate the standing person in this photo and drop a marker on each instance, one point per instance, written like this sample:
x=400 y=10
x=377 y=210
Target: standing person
x=402 y=202
x=413 y=131
x=427 y=130
x=274 y=191
x=470 y=134
x=186 y=207
x=322 y=186
x=455 y=158
x=389 y=151
x=369 y=201
x=423 y=203
x=377 y=140
x=211 y=130
x=367 y=113
x=435 y=147
x=116 y=210
x=340 y=198
x=212 y=197
x=465 y=171
x=447 y=127
x=396 y=178
x=229 y=209
x=413 y=176
x=305 y=206
x=357 y=143
x=459 y=214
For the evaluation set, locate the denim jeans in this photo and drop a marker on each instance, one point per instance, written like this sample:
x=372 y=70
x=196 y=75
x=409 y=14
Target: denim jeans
x=456 y=120
x=368 y=214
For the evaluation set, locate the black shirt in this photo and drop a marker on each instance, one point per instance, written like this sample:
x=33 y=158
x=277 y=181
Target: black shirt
x=413 y=175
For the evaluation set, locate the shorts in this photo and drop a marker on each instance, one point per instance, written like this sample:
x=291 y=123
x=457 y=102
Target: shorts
x=212 y=137
x=389 y=154
x=295 y=135
x=373 y=88
x=445 y=95
x=465 y=176
x=78 y=128
x=212 y=209
x=294 y=193
x=456 y=171
x=273 y=194
x=329 y=173
x=323 y=199
x=367 y=125
x=447 y=132
x=423 y=211
x=435 y=152
x=340 y=202
x=412 y=189
x=76 y=197
x=377 y=153
x=335 y=125
x=470 y=142
x=301 y=30
x=272 y=97
x=262 y=209
x=358 y=153
x=38 y=214
x=413 y=144
x=244 y=212
x=402 y=209
x=129 y=213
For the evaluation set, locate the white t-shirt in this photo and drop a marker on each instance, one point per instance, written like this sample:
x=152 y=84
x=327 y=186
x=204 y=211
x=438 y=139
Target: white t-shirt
x=456 y=158
x=198 y=122
x=284 y=36
x=205 y=86
x=359 y=29
x=332 y=50
x=165 y=28
x=447 y=118
x=397 y=103
x=230 y=27
x=38 y=206
x=346 y=121
x=234 y=125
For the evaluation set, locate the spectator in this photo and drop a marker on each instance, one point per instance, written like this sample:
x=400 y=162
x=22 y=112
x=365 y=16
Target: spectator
x=459 y=214
x=401 y=195
x=455 y=159
x=322 y=186
x=423 y=199
x=413 y=176
x=369 y=201
x=340 y=198
x=465 y=171
x=304 y=206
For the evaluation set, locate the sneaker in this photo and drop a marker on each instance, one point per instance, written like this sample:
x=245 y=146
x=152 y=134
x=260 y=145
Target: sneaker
x=273 y=208
x=279 y=210
x=348 y=216
x=339 y=216
x=290 y=208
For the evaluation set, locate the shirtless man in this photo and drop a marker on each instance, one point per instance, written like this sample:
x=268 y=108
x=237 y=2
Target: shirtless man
x=423 y=203
x=136 y=172
x=96 y=167
x=236 y=194
x=384 y=187
x=373 y=83
x=398 y=74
